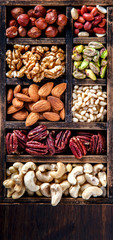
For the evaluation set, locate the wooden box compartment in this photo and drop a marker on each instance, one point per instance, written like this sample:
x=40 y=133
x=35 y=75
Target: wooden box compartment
x=66 y=41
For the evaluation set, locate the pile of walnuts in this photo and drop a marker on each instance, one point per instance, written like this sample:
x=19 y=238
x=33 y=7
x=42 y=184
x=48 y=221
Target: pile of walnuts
x=36 y=62
x=35 y=22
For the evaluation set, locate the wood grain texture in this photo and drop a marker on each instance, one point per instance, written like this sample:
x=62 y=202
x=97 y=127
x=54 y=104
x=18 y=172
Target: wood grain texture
x=64 y=222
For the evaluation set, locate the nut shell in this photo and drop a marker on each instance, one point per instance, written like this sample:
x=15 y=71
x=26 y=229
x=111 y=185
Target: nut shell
x=62 y=20
x=41 y=23
x=15 y=12
x=51 y=31
x=34 y=32
x=11 y=32
x=39 y=11
x=51 y=16
x=23 y=20
x=22 y=31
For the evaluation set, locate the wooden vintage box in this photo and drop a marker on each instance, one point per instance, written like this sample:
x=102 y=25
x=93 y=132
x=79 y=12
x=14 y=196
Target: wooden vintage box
x=67 y=42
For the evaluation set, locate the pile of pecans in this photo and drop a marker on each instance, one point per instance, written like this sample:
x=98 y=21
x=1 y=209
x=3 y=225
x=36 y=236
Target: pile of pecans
x=36 y=62
x=89 y=103
x=89 y=61
x=89 y=20
x=56 y=180
x=36 y=103
x=39 y=141
x=36 y=22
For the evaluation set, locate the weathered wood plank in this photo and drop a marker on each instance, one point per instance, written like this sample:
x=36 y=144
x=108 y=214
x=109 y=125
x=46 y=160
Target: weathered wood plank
x=56 y=158
x=88 y=81
x=40 y=41
x=85 y=40
x=59 y=125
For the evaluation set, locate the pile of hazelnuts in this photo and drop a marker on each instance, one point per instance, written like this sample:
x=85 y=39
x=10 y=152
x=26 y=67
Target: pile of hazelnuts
x=35 y=21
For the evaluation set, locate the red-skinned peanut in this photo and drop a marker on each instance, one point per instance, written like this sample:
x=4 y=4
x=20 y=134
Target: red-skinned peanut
x=87 y=26
x=84 y=9
x=81 y=19
x=76 y=31
x=94 y=11
x=102 y=23
x=78 y=25
x=99 y=30
x=88 y=16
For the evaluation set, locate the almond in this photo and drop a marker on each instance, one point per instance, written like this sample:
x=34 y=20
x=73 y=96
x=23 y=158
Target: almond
x=10 y=95
x=41 y=106
x=23 y=97
x=59 y=89
x=33 y=92
x=28 y=106
x=62 y=114
x=31 y=119
x=11 y=109
x=51 y=116
x=56 y=103
x=21 y=115
x=45 y=90
x=17 y=103
x=25 y=91
x=17 y=89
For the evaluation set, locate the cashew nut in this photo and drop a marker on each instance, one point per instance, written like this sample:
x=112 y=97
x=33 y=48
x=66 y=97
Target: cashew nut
x=18 y=166
x=88 y=168
x=66 y=193
x=64 y=185
x=92 y=179
x=68 y=167
x=30 y=193
x=18 y=182
x=102 y=178
x=75 y=172
x=91 y=191
x=74 y=190
x=38 y=193
x=29 y=181
x=97 y=168
x=44 y=177
x=81 y=179
x=56 y=194
x=45 y=189
x=60 y=171
x=44 y=167
x=12 y=169
x=59 y=180
x=84 y=186
x=28 y=166
x=17 y=195
x=9 y=183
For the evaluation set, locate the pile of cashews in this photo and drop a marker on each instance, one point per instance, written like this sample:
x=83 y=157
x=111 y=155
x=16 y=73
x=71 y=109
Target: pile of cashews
x=56 y=180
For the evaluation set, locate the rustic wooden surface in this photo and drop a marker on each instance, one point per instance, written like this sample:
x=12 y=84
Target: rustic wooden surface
x=27 y=222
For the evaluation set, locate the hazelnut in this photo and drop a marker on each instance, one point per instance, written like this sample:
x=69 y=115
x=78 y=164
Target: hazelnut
x=13 y=22
x=41 y=23
x=23 y=20
x=51 y=31
x=11 y=32
x=34 y=32
x=60 y=29
x=39 y=11
x=51 y=16
x=62 y=20
x=30 y=13
x=22 y=31
x=32 y=21
x=15 y=12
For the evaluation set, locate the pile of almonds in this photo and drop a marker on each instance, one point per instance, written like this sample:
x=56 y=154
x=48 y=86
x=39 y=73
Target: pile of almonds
x=89 y=20
x=35 y=22
x=34 y=103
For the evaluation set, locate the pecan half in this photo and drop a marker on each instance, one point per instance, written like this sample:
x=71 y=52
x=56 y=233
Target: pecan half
x=93 y=144
x=11 y=143
x=36 y=148
x=62 y=139
x=101 y=146
x=22 y=138
x=50 y=142
x=77 y=147
x=39 y=133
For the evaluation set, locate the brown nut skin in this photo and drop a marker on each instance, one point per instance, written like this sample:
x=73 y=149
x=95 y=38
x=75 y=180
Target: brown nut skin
x=13 y=22
x=15 y=12
x=34 y=32
x=30 y=13
x=39 y=11
x=9 y=95
x=22 y=31
x=41 y=23
x=60 y=29
x=62 y=20
x=32 y=21
x=23 y=20
x=11 y=32
x=51 y=31
x=51 y=16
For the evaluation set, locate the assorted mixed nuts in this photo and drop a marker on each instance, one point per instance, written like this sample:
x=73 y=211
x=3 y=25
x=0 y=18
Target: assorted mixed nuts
x=89 y=61
x=46 y=102
x=56 y=180
x=36 y=22
x=34 y=103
